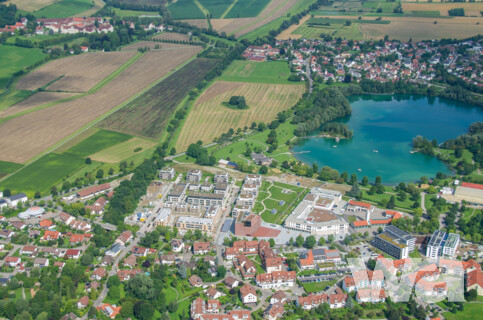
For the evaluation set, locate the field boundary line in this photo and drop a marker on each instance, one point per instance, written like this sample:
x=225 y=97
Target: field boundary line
x=205 y=11
x=229 y=9
x=94 y=122
x=94 y=89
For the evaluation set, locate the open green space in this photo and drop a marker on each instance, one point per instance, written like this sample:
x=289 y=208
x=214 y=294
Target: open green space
x=14 y=59
x=247 y=8
x=42 y=174
x=64 y=8
x=276 y=72
x=216 y=7
x=317 y=286
x=329 y=21
x=185 y=9
x=133 y=13
x=469 y=313
x=97 y=142
x=9 y=167
x=377 y=198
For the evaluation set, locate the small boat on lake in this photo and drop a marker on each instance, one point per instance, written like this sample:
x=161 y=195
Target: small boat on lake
x=360 y=170
x=337 y=139
x=376 y=151
x=334 y=146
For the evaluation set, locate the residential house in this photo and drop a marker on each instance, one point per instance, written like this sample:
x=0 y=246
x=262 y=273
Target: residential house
x=139 y=251
x=201 y=248
x=195 y=281
x=274 y=311
x=177 y=245
x=370 y=295
x=276 y=279
x=12 y=261
x=109 y=310
x=41 y=262
x=98 y=274
x=168 y=259
x=46 y=224
x=114 y=250
x=212 y=293
x=130 y=261
x=278 y=296
x=231 y=282
x=6 y=234
x=83 y=302
x=248 y=294
x=16 y=199
x=124 y=238
x=28 y=250
x=125 y=275
x=72 y=254
x=60 y=265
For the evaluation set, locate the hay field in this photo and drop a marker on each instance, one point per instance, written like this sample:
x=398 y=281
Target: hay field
x=172 y=36
x=209 y=118
x=288 y=33
x=33 y=101
x=471 y=9
x=122 y=150
x=79 y=73
x=31 y=5
x=404 y=28
x=152 y=44
x=242 y=26
x=23 y=137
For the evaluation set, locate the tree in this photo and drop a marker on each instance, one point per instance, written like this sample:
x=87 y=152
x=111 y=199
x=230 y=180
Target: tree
x=100 y=174
x=88 y=160
x=37 y=195
x=221 y=272
x=272 y=242
x=310 y=242
x=300 y=240
x=113 y=281
x=183 y=271
x=322 y=241
x=355 y=191
x=7 y=193
x=392 y=203
x=127 y=309
x=347 y=240
x=290 y=241
x=349 y=303
x=365 y=181
x=173 y=306
x=330 y=238
x=87 y=259
x=263 y=170
x=53 y=191
x=143 y=310
x=110 y=172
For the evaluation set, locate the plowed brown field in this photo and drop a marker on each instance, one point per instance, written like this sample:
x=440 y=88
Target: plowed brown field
x=209 y=118
x=23 y=137
x=33 y=101
x=80 y=72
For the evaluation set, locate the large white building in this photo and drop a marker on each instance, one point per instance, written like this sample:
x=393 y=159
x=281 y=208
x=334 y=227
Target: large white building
x=314 y=214
x=442 y=244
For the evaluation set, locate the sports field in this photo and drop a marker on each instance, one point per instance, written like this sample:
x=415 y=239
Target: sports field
x=276 y=72
x=42 y=174
x=64 y=8
x=100 y=140
x=209 y=118
x=123 y=150
x=14 y=59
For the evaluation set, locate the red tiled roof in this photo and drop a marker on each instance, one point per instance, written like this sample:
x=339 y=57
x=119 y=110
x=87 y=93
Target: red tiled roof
x=472 y=185
x=360 y=204
x=474 y=277
x=94 y=189
x=360 y=223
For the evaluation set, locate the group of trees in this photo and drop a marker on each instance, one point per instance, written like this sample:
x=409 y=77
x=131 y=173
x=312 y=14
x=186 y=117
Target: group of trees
x=323 y=106
x=338 y=129
x=8 y=14
x=238 y=102
x=201 y=155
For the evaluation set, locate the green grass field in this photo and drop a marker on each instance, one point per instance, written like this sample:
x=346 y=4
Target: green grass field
x=15 y=59
x=276 y=72
x=469 y=313
x=98 y=141
x=185 y=9
x=317 y=286
x=64 y=8
x=247 y=8
x=43 y=173
x=216 y=7
x=8 y=167
x=132 y=13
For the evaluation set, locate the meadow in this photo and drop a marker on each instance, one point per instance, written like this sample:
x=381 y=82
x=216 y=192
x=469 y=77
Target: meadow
x=15 y=59
x=31 y=5
x=264 y=102
x=247 y=8
x=149 y=114
x=276 y=72
x=64 y=8
x=42 y=174
x=216 y=7
x=8 y=167
x=121 y=151
x=100 y=140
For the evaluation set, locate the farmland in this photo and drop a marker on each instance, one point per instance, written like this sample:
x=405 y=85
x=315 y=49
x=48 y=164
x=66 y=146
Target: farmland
x=15 y=59
x=185 y=9
x=64 y=8
x=100 y=140
x=8 y=167
x=471 y=9
x=149 y=114
x=264 y=101
x=31 y=5
x=123 y=150
x=262 y=72
x=172 y=36
x=247 y=8
x=26 y=136
x=33 y=101
x=43 y=173
x=76 y=73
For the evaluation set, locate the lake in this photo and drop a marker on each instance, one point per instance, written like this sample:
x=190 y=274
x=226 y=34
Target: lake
x=388 y=123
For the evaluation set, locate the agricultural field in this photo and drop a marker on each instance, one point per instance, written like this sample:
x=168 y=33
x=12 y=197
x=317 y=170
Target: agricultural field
x=100 y=140
x=122 y=151
x=148 y=115
x=31 y=5
x=131 y=13
x=357 y=7
x=247 y=8
x=43 y=173
x=185 y=9
x=264 y=102
x=15 y=59
x=64 y=8
x=276 y=72
x=471 y=9
x=25 y=136
x=33 y=101
x=76 y=73
x=216 y=8
x=172 y=36
x=8 y=167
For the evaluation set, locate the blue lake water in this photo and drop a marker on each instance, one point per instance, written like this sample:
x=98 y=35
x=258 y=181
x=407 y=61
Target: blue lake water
x=388 y=124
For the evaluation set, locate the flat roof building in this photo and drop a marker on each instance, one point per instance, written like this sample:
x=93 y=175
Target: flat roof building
x=442 y=244
x=186 y=223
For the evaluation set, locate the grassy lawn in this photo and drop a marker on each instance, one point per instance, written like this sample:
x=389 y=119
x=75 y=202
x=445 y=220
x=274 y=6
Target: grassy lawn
x=469 y=313
x=276 y=72
x=43 y=173
x=317 y=286
x=64 y=8
x=123 y=150
x=415 y=254
x=15 y=59
x=97 y=142
x=379 y=197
